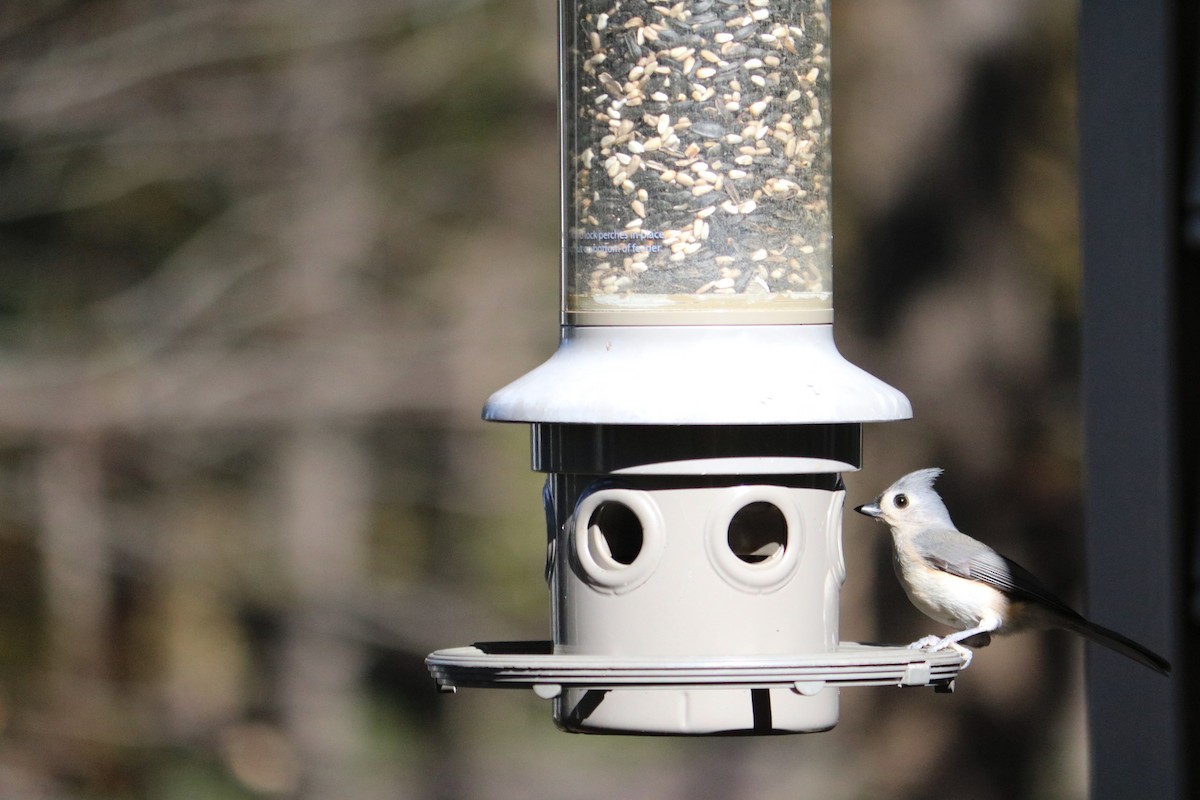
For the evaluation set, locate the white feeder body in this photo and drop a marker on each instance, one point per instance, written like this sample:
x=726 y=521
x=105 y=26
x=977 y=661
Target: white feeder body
x=632 y=558
x=706 y=567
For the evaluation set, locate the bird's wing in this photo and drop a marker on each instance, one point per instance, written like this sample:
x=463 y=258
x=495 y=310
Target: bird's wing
x=958 y=554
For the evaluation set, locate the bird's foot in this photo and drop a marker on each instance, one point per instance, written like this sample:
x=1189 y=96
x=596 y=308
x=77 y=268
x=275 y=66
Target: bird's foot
x=928 y=643
x=931 y=644
x=966 y=654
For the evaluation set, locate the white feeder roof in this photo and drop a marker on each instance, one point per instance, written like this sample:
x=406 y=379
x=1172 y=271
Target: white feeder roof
x=697 y=375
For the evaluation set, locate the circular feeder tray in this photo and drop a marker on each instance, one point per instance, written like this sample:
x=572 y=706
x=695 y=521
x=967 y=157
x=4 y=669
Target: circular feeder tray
x=535 y=665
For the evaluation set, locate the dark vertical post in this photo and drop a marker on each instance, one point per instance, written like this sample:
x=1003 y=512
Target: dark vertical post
x=1130 y=187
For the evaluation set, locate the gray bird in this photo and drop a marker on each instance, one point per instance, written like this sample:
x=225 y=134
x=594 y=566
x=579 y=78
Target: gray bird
x=963 y=583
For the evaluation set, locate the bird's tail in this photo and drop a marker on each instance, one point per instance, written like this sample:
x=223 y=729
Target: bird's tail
x=1115 y=641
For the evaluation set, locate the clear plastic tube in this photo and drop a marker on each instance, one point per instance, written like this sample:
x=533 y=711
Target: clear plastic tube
x=696 y=161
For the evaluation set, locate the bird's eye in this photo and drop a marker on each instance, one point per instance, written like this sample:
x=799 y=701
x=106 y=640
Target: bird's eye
x=900 y=501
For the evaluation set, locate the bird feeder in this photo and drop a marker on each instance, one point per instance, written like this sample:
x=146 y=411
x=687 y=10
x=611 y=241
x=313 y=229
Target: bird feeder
x=696 y=418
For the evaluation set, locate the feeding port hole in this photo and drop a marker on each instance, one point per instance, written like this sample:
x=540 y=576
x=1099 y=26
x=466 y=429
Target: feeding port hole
x=616 y=534
x=758 y=532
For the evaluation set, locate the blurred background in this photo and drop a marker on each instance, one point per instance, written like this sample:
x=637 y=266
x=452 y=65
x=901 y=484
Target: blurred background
x=261 y=263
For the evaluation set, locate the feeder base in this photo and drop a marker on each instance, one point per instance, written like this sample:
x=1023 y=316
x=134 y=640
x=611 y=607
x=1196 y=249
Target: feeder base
x=691 y=696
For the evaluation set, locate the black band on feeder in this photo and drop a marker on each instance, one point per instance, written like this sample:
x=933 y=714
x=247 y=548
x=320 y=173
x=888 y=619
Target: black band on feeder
x=602 y=449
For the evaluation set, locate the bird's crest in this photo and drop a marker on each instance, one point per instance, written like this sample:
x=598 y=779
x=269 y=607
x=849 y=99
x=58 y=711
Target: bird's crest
x=921 y=479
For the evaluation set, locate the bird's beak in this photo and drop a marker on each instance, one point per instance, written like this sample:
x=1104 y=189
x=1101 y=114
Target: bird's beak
x=871 y=510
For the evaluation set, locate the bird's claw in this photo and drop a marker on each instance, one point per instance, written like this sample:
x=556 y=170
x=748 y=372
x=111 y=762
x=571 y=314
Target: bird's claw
x=927 y=643
x=966 y=654
x=931 y=644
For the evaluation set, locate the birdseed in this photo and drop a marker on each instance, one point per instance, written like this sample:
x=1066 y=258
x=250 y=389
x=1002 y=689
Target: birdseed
x=696 y=153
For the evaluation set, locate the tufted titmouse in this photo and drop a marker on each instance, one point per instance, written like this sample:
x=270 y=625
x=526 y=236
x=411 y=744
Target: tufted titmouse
x=964 y=583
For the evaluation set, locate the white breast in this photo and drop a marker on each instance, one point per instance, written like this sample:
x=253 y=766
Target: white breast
x=947 y=598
